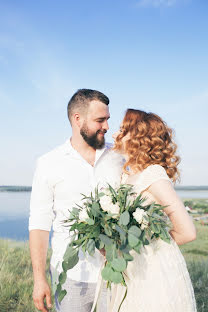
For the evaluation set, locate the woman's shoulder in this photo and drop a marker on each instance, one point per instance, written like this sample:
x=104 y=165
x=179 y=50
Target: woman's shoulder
x=156 y=170
x=150 y=175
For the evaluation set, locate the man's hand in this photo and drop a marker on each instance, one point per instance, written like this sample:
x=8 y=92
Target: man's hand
x=42 y=290
x=102 y=251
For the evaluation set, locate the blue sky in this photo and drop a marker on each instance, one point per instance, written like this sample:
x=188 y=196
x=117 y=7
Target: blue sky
x=145 y=54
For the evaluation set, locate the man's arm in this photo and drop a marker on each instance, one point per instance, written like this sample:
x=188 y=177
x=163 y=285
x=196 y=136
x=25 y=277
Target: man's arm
x=40 y=221
x=38 y=251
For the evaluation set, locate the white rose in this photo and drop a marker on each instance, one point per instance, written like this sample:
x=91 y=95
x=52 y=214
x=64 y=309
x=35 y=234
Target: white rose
x=83 y=216
x=139 y=216
x=105 y=202
x=108 y=206
x=115 y=210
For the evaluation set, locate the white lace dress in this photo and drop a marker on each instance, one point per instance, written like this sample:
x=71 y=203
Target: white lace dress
x=157 y=278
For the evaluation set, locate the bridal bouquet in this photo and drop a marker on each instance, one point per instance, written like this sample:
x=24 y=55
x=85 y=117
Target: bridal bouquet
x=117 y=220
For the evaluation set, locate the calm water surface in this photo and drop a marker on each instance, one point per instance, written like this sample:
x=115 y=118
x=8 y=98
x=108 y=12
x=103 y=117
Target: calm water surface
x=14 y=212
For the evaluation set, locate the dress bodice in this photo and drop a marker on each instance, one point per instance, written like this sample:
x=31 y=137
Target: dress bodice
x=142 y=180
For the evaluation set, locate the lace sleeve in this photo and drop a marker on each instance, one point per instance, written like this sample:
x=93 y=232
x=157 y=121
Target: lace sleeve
x=150 y=175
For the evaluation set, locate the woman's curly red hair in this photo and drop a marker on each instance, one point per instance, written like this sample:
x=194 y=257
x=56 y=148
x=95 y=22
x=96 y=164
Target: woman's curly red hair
x=149 y=142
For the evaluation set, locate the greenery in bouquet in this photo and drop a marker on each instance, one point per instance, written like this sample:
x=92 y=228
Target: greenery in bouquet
x=117 y=220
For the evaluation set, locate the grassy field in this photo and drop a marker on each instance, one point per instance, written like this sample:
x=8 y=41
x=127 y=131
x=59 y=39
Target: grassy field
x=16 y=281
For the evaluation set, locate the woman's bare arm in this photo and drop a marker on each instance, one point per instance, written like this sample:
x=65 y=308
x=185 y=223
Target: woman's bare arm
x=183 y=229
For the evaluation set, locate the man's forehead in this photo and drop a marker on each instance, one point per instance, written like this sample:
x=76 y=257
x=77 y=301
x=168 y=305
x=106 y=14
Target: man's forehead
x=97 y=108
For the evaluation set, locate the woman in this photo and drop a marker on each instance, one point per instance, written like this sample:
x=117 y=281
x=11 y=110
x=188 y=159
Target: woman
x=157 y=278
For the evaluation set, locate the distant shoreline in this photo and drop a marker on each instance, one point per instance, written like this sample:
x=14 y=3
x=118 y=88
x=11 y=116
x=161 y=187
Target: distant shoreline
x=17 y=188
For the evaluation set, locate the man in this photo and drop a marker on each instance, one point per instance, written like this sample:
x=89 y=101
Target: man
x=61 y=176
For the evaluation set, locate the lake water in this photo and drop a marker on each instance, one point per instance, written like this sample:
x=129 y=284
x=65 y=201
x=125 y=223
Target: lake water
x=14 y=212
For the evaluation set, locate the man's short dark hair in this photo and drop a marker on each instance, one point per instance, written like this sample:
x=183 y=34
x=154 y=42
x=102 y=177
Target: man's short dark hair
x=81 y=99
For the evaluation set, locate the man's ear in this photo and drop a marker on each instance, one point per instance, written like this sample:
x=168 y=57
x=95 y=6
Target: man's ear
x=77 y=119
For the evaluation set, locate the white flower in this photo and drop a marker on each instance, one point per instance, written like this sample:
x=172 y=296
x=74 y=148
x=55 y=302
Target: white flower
x=130 y=200
x=144 y=226
x=83 y=216
x=140 y=216
x=115 y=210
x=108 y=206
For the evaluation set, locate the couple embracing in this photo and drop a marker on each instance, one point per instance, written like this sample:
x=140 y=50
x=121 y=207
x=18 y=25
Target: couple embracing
x=143 y=155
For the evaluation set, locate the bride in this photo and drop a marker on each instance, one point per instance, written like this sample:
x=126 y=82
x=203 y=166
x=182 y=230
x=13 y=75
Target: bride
x=157 y=278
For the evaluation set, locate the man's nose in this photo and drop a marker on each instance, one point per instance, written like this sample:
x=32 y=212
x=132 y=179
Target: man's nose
x=105 y=125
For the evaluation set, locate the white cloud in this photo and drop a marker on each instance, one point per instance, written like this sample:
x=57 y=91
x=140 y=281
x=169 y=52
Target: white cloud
x=156 y=3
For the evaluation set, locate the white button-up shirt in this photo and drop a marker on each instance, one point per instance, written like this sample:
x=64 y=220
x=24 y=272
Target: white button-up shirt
x=60 y=178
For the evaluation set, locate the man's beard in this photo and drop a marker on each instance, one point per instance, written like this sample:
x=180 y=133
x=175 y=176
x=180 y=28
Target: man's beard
x=92 y=139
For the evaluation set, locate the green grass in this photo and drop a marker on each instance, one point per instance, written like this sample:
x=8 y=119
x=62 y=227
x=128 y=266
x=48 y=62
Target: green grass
x=16 y=281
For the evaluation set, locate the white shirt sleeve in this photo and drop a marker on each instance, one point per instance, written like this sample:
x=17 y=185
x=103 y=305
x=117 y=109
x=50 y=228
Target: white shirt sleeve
x=41 y=202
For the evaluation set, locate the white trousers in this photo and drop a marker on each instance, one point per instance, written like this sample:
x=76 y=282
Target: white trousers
x=80 y=297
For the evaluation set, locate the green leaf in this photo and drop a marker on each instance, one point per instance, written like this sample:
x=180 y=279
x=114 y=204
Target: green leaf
x=138 y=247
x=164 y=235
x=105 y=239
x=133 y=240
x=113 y=192
x=117 y=277
x=61 y=295
x=120 y=231
x=107 y=273
x=107 y=230
x=70 y=252
x=134 y=230
x=58 y=288
x=70 y=258
x=119 y=264
x=95 y=209
x=91 y=247
x=90 y=221
x=154 y=228
x=101 y=194
x=110 y=252
x=128 y=257
x=125 y=218
x=99 y=244
x=62 y=278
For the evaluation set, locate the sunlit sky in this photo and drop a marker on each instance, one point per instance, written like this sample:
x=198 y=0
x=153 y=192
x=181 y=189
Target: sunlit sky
x=145 y=54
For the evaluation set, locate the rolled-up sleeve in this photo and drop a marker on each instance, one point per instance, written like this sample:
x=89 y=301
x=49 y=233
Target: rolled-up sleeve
x=41 y=202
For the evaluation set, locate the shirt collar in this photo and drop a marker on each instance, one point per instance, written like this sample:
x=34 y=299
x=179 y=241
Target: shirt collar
x=70 y=150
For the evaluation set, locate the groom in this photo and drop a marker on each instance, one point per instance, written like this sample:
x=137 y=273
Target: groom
x=61 y=176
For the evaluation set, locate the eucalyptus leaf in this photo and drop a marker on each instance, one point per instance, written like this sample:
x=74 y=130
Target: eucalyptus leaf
x=119 y=264
x=137 y=248
x=124 y=218
x=134 y=230
x=95 y=209
x=110 y=252
x=128 y=257
x=107 y=273
x=62 y=278
x=90 y=221
x=107 y=230
x=99 y=244
x=70 y=252
x=133 y=240
x=105 y=239
x=61 y=295
x=120 y=231
x=117 y=277
x=90 y=247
